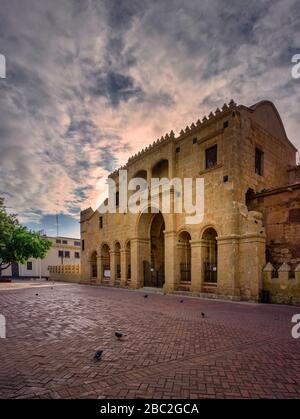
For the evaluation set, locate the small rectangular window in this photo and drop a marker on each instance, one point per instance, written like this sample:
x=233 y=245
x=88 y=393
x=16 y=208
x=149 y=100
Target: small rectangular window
x=77 y=255
x=67 y=254
x=177 y=150
x=259 y=156
x=117 y=198
x=225 y=124
x=29 y=266
x=58 y=241
x=60 y=254
x=100 y=222
x=195 y=140
x=65 y=241
x=211 y=157
x=82 y=244
x=77 y=244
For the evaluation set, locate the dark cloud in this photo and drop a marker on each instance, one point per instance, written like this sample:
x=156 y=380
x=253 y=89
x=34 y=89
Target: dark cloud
x=89 y=82
x=114 y=86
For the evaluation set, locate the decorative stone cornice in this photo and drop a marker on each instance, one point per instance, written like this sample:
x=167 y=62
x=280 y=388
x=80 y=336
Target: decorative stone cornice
x=169 y=137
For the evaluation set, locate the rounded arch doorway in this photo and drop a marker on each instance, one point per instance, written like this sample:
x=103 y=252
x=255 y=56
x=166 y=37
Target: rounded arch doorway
x=154 y=262
x=210 y=267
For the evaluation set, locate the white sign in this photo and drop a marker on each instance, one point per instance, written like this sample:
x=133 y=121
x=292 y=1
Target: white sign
x=2 y=327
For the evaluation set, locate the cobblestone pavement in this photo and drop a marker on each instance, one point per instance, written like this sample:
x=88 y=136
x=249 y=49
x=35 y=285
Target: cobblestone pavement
x=238 y=350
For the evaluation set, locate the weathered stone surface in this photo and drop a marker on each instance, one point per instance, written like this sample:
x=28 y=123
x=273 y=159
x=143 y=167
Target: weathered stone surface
x=234 y=229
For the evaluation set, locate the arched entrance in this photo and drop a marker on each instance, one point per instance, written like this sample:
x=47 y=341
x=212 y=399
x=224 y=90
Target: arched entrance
x=161 y=169
x=210 y=256
x=184 y=257
x=105 y=256
x=151 y=231
x=128 y=262
x=117 y=250
x=93 y=265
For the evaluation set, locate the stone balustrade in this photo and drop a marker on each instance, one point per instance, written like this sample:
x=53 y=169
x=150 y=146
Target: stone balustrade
x=65 y=273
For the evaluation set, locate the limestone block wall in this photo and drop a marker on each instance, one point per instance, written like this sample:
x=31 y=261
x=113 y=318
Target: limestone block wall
x=283 y=284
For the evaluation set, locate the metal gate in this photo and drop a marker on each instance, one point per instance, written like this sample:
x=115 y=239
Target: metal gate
x=185 y=272
x=153 y=277
x=210 y=272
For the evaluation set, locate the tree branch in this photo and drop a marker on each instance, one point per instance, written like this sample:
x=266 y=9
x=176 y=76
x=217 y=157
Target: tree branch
x=2 y=268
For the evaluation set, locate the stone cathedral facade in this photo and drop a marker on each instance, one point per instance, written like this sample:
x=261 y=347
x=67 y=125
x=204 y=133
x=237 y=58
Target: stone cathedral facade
x=245 y=158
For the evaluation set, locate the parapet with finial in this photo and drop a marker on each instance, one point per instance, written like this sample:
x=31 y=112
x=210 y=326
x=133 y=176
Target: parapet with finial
x=183 y=133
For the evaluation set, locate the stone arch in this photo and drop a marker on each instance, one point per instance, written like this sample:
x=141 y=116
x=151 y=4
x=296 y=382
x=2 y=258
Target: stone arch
x=160 y=169
x=128 y=260
x=184 y=228
x=184 y=256
x=142 y=173
x=117 y=260
x=207 y=226
x=143 y=223
x=105 y=257
x=151 y=242
x=93 y=265
x=210 y=255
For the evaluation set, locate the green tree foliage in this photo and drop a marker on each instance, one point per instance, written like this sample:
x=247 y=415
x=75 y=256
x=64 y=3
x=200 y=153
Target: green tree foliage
x=17 y=243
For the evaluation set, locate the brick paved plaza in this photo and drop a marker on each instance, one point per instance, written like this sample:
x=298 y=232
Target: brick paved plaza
x=238 y=350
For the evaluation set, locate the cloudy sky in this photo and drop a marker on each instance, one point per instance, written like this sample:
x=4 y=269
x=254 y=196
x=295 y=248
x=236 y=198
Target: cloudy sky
x=89 y=82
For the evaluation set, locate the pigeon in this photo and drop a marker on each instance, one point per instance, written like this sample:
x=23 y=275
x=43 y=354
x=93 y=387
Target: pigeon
x=98 y=355
x=181 y=301
x=146 y=296
x=119 y=335
x=203 y=314
x=36 y=294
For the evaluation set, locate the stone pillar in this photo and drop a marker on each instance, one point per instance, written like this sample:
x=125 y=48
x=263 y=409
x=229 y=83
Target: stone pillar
x=123 y=257
x=99 y=269
x=228 y=251
x=252 y=259
x=113 y=267
x=197 y=250
x=140 y=251
x=297 y=274
x=171 y=263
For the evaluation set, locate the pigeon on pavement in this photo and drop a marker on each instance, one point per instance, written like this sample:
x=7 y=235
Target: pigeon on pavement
x=98 y=355
x=119 y=335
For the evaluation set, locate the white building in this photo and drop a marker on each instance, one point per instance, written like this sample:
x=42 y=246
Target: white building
x=64 y=251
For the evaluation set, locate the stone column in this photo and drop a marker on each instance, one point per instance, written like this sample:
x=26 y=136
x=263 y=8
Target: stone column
x=99 y=269
x=197 y=250
x=123 y=257
x=297 y=274
x=251 y=263
x=113 y=267
x=228 y=253
x=171 y=263
x=140 y=251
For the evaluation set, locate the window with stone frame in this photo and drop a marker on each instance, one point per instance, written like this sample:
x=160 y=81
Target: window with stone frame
x=259 y=160
x=211 y=157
